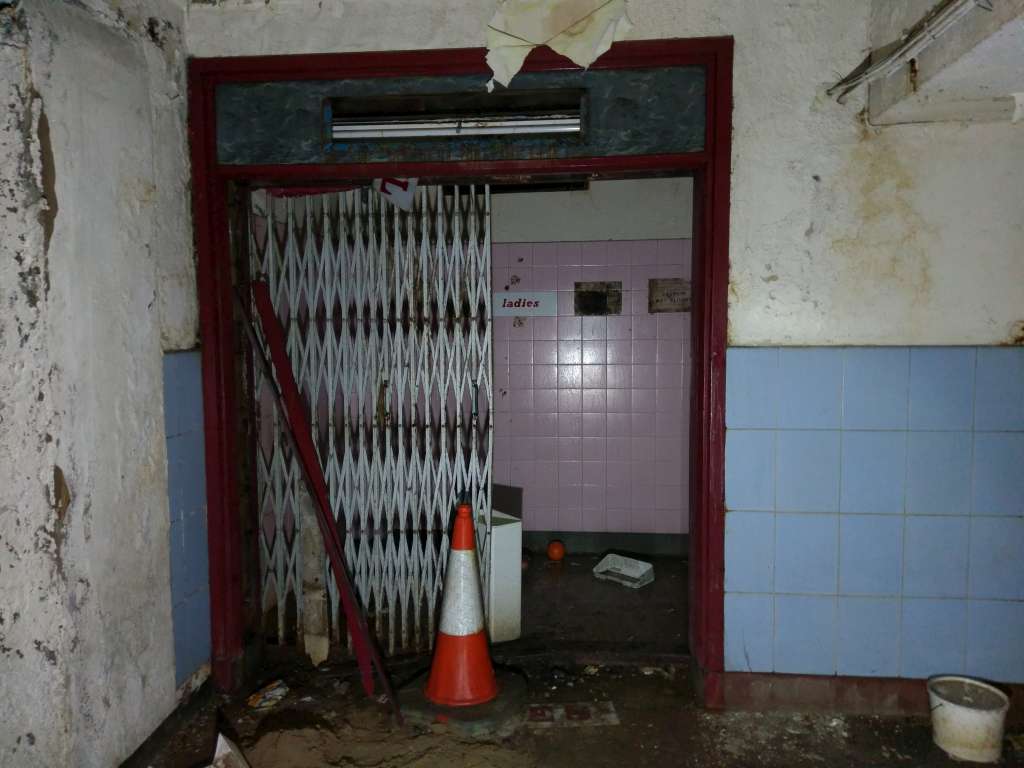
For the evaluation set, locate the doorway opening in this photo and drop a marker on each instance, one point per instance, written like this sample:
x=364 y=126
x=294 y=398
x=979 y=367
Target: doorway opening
x=592 y=406
x=225 y=180
x=455 y=350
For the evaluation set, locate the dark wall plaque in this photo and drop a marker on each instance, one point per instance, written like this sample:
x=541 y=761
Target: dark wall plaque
x=598 y=298
x=668 y=294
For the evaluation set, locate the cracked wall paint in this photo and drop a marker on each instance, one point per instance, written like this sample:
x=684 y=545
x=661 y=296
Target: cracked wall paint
x=33 y=626
x=97 y=279
x=800 y=166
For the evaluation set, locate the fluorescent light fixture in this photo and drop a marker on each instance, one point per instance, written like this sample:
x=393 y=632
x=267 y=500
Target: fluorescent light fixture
x=458 y=126
x=514 y=113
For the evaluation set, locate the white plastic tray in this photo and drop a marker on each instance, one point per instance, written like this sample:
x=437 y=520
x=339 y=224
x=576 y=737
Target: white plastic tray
x=626 y=571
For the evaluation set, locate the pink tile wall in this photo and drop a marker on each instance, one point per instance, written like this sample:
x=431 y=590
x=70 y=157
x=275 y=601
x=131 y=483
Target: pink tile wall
x=592 y=413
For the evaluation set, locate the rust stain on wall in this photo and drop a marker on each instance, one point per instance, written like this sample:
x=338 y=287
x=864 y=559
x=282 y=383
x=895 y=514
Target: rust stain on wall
x=735 y=297
x=136 y=192
x=61 y=493
x=48 y=179
x=1016 y=335
x=889 y=247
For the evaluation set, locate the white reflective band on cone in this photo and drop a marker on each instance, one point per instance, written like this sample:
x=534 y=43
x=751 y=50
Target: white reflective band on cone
x=462 y=612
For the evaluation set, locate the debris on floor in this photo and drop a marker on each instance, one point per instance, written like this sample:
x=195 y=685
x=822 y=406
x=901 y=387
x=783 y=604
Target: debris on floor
x=1017 y=742
x=660 y=724
x=362 y=738
x=582 y=713
x=627 y=571
x=268 y=696
x=666 y=672
x=228 y=755
x=775 y=738
x=566 y=608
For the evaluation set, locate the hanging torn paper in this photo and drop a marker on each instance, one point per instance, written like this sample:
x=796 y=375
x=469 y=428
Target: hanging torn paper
x=580 y=30
x=399 y=192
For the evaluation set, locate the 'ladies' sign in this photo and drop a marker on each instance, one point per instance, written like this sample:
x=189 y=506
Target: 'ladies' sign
x=524 y=304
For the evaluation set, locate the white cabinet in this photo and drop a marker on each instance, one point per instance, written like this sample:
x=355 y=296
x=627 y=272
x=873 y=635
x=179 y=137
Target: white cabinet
x=505 y=615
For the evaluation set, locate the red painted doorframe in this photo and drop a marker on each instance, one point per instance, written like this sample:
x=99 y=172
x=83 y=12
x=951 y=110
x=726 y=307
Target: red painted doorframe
x=710 y=169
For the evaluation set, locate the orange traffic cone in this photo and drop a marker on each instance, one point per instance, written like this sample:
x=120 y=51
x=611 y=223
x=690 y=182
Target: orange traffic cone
x=461 y=674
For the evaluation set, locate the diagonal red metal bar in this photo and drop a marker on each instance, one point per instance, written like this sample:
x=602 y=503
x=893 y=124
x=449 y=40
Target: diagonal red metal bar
x=290 y=403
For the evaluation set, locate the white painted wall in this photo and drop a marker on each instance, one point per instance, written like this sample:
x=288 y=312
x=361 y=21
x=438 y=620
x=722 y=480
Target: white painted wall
x=840 y=233
x=86 y=652
x=629 y=209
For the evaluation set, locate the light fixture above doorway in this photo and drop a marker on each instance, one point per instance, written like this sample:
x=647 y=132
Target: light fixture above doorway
x=418 y=116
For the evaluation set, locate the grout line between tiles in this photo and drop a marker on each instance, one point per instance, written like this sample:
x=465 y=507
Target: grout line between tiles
x=970 y=510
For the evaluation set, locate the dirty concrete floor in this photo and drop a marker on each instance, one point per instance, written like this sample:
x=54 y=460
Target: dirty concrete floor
x=326 y=721
x=566 y=608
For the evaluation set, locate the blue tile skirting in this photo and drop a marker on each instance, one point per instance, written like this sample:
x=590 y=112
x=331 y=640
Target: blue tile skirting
x=875 y=520
x=186 y=482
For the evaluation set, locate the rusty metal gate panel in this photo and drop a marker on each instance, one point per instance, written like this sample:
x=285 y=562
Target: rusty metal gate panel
x=388 y=322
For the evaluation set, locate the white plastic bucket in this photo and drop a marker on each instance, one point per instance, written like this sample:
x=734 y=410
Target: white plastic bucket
x=967 y=717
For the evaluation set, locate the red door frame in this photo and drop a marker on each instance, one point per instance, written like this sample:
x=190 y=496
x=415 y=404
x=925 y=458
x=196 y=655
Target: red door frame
x=711 y=170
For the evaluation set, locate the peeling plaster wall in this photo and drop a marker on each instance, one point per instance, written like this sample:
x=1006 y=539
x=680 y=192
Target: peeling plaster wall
x=33 y=620
x=98 y=280
x=840 y=233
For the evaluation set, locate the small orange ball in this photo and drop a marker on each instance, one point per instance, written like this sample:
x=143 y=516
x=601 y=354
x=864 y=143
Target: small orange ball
x=556 y=550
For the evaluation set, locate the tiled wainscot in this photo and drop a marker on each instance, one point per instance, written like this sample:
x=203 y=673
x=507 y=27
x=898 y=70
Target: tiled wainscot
x=875 y=521
x=592 y=412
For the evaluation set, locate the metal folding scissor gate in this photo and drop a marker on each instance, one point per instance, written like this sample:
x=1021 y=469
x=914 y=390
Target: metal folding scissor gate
x=388 y=323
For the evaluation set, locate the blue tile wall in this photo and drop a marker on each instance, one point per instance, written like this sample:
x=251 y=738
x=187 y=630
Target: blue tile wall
x=939 y=473
x=998 y=404
x=997 y=571
x=751 y=394
x=805 y=634
x=807 y=470
x=942 y=387
x=809 y=388
x=875 y=511
x=870 y=554
x=748 y=634
x=806 y=553
x=749 y=552
x=186 y=482
x=989 y=624
x=751 y=454
x=868 y=636
x=874 y=472
x=998 y=473
x=935 y=556
x=875 y=381
x=933 y=636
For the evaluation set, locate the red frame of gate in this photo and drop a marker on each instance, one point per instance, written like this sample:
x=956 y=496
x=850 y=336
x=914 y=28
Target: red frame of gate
x=710 y=169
